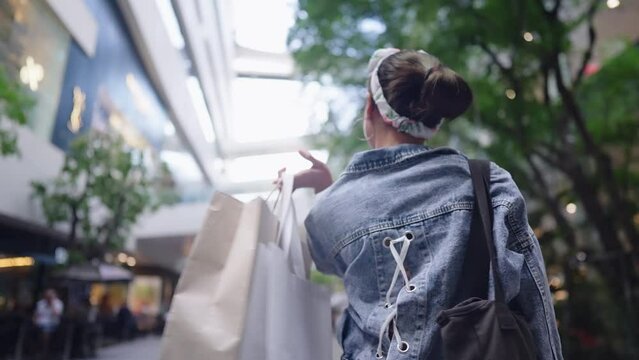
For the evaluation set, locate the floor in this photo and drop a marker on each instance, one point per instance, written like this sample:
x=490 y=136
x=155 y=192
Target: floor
x=147 y=348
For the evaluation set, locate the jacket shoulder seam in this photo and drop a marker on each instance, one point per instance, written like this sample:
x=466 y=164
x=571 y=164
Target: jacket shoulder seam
x=407 y=220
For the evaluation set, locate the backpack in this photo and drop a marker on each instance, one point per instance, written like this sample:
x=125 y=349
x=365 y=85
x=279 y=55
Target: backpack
x=479 y=329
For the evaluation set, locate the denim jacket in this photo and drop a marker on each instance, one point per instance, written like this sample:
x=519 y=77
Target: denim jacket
x=395 y=226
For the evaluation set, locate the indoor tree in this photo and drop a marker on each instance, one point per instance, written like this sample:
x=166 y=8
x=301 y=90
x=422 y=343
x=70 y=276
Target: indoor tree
x=14 y=105
x=101 y=191
x=568 y=137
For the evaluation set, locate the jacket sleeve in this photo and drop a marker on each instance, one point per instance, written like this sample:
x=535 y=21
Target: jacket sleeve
x=318 y=246
x=521 y=266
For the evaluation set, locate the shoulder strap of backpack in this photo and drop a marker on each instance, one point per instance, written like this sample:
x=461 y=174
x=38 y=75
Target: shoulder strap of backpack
x=481 y=248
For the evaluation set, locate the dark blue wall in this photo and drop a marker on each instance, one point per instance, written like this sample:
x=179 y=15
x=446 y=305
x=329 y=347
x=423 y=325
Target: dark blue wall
x=106 y=71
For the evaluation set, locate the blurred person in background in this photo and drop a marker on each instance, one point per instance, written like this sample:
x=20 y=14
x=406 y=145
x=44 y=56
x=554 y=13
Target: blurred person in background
x=403 y=194
x=47 y=317
x=125 y=323
x=86 y=330
x=106 y=317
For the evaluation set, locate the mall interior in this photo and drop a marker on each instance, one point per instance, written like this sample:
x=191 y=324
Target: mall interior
x=206 y=91
x=168 y=77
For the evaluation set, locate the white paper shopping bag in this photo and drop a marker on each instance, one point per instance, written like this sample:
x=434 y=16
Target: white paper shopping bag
x=289 y=318
x=208 y=313
x=292 y=237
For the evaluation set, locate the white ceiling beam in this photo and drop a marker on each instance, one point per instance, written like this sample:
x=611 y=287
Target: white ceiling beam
x=235 y=149
x=166 y=65
x=236 y=187
x=206 y=39
x=79 y=20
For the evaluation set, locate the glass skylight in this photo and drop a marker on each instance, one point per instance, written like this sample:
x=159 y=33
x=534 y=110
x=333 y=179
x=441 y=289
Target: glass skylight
x=263 y=24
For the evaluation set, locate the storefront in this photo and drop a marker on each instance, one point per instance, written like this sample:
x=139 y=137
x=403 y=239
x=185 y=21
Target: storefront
x=108 y=90
x=35 y=51
x=75 y=91
x=26 y=252
x=111 y=91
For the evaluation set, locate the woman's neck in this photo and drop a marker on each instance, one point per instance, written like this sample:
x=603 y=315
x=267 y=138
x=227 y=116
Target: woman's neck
x=392 y=137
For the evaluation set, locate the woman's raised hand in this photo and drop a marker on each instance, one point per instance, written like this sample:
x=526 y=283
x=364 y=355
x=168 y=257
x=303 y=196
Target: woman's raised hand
x=318 y=176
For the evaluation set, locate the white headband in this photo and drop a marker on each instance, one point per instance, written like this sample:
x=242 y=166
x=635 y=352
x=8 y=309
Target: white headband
x=390 y=116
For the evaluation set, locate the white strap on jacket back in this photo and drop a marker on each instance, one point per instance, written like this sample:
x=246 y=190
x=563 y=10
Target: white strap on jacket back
x=391 y=318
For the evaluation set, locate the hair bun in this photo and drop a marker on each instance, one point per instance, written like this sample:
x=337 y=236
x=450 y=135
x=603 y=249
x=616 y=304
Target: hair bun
x=418 y=86
x=445 y=94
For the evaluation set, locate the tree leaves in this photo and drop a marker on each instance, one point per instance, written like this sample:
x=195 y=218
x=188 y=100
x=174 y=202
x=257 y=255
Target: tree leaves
x=561 y=139
x=102 y=189
x=14 y=104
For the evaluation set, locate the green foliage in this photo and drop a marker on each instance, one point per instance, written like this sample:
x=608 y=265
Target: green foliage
x=611 y=96
x=342 y=143
x=329 y=281
x=565 y=137
x=102 y=189
x=14 y=104
x=75 y=257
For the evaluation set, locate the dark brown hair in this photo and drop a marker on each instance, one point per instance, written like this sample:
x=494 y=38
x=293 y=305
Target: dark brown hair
x=417 y=85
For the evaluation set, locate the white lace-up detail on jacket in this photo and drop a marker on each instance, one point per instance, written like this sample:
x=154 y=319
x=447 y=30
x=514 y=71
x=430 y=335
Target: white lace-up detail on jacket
x=399 y=258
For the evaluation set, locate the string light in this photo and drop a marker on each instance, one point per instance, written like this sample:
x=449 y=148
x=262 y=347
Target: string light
x=131 y=261
x=561 y=295
x=571 y=208
x=528 y=36
x=613 y=4
x=511 y=94
x=122 y=257
x=555 y=282
x=538 y=232
x=581 y=256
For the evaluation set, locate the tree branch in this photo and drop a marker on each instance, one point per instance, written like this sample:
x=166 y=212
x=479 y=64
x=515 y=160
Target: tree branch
x=552 y=203
x=555 y=9
x=553 y=12
x=549 y=159
x=592 y=38
x=604 y=163
x=506 y=71
x=546 y=74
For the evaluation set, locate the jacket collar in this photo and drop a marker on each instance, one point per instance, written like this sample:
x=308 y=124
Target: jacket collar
x=376 y=158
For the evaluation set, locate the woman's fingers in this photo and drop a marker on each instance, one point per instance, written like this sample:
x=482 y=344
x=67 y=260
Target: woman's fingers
x=278 y=182
x=308 y=156
x=317 y=176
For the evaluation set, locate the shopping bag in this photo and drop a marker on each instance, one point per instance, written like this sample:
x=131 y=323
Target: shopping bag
x=290 y=236
x=303 y=200
x=299 y=313
x=208 y=313
x=288 y=316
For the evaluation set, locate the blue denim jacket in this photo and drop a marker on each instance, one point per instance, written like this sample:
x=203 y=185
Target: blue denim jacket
x=388 y=195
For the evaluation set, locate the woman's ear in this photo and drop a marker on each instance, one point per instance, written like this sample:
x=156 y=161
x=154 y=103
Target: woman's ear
x=367 y=124
x=371 y=108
